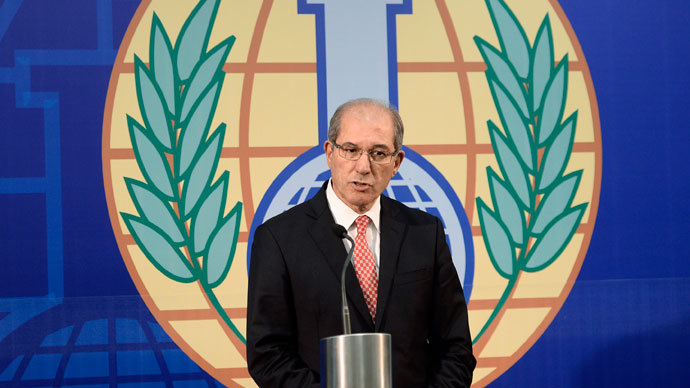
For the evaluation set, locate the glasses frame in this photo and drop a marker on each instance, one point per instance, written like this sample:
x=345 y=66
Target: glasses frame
x=390 y=155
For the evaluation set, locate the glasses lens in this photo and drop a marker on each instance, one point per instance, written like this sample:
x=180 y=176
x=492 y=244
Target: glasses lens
x=379 y=157
x=349 y=153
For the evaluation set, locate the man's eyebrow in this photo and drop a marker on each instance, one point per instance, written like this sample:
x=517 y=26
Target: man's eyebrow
x=384 y=146
x=375 y=146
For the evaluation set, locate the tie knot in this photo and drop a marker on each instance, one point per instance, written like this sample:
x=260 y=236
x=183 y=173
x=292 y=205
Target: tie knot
x=362 y=222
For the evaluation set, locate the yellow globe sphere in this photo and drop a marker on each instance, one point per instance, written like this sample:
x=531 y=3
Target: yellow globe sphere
x=269 y=103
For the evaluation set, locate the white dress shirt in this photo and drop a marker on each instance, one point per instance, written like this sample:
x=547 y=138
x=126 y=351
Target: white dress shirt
x=345 y=216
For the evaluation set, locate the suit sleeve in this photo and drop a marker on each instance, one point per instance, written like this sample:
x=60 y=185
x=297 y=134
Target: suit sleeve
x=272 y=356
x=450 y=342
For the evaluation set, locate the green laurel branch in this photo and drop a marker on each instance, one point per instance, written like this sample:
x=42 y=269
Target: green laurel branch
x=180 y=226
x=532 y=218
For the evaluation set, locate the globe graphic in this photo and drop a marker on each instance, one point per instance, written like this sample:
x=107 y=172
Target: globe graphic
x=121 y=351
x=269 y=102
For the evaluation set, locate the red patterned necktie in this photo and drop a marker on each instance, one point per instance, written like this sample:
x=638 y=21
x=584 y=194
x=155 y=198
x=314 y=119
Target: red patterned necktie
x=365 y=266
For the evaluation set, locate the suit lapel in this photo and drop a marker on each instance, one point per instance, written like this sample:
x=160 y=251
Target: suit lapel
x=392 y=232
x=334 y=252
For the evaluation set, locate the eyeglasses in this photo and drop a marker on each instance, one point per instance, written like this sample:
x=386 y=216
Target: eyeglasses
x=354 y=153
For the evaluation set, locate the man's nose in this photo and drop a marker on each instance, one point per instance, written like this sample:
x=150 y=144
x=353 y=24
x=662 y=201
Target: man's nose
x=363 y=165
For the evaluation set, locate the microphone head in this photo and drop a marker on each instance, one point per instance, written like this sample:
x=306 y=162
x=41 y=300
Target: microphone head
x=339 y=230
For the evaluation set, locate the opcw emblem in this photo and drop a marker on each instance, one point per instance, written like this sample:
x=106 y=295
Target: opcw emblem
x=501 y=118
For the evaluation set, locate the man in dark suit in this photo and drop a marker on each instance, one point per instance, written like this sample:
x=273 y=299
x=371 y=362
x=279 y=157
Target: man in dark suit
x=402 y=280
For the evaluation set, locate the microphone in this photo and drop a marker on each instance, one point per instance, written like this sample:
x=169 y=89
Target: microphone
x=341 y=232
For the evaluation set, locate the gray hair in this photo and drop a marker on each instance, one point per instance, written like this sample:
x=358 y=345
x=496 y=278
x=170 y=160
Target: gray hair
x=398 y=129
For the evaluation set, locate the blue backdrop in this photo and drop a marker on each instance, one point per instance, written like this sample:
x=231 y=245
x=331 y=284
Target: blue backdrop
x=625 y=323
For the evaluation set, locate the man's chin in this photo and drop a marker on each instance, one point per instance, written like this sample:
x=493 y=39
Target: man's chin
x=361 y=201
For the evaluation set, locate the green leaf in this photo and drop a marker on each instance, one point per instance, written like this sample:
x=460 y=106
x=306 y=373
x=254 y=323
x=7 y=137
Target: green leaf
x=511 y=36
x=513 y=123
x=202 y=172
x=555 y=239
x=196 y=129
x=542 y=63
x=155 y=210
x=210 y=211
x=504 y=73
x=151 y=102
x=162 y=63
x=557 y=154
x=510 y=166
x=553 y=102
x=506 y=207
x=498 y=245
x=159 y=250
x=556 y=201
x=206 y=72
x=152 y=162
x=194 y=35
x=221 y=250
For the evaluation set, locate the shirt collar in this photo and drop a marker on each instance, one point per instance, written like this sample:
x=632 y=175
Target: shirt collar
x=345 y=216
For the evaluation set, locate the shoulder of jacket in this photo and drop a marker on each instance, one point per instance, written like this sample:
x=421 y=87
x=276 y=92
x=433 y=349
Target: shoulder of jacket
x=407 y=214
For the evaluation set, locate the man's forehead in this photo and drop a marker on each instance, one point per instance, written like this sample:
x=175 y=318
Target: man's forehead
x=374 y=118
x=368 y=111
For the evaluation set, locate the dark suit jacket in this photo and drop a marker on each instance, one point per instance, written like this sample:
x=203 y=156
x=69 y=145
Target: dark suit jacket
x=294 y=298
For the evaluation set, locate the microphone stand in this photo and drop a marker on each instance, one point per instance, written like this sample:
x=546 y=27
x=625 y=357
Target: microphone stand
x=349 y=360
x=346 y=310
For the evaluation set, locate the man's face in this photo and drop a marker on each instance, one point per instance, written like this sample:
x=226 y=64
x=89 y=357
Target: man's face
x=359 y=182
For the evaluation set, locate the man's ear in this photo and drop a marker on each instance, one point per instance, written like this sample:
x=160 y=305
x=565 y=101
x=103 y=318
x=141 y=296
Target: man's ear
x=328 y=150
x=398 y=161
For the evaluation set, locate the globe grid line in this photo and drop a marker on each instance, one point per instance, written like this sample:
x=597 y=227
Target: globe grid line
x=129 y=239
x=467 y=104
x=581 y=229
x=468 y=67
x=410 y=67
x=270 y=67
x=519 y=303
x=294 y=151
x=245 y=105
x=200 y=313
x=575 y=65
